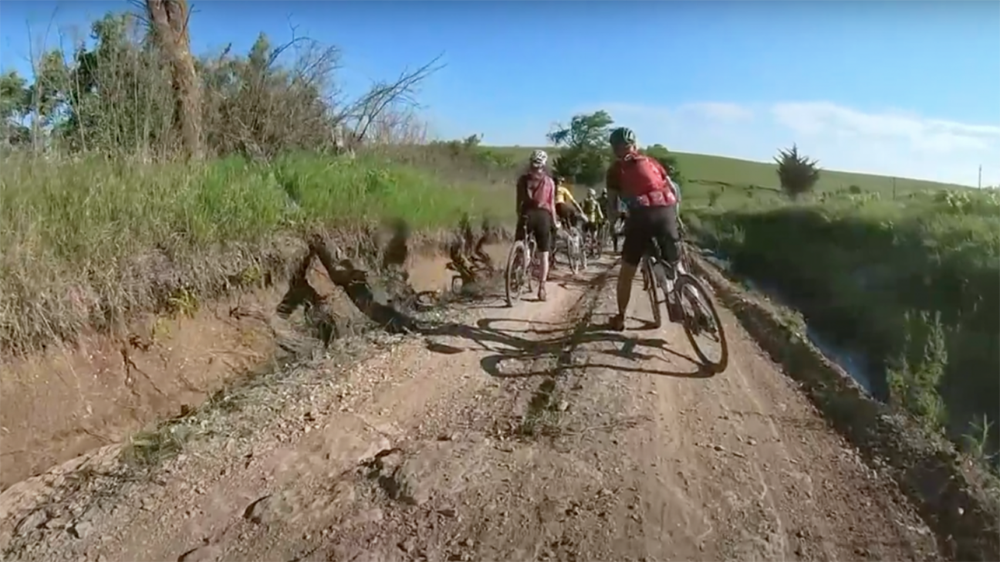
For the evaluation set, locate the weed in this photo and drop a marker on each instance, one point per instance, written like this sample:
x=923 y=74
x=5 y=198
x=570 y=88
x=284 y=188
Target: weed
x=152 y=447
x=916 y=373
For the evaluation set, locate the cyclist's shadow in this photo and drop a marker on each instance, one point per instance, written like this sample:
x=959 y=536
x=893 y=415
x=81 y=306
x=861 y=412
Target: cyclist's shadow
x=547 y=350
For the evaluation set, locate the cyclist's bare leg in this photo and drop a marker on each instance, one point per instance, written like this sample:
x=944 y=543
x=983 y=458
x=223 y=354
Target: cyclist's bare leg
x=543 y=272
x=624 y=293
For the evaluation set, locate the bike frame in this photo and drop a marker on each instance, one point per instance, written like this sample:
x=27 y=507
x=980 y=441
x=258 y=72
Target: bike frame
x=530 y=245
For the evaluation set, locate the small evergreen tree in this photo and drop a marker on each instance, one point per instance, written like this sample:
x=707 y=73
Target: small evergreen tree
x=797 y=173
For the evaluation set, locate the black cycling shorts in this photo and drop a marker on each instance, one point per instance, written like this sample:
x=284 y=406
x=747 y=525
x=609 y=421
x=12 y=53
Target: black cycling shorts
x=567 y=214
x=646 y=223
x=539 y=224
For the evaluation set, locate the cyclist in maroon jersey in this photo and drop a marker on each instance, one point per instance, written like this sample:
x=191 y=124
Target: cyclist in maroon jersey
x=536 y=211
x=645 y=187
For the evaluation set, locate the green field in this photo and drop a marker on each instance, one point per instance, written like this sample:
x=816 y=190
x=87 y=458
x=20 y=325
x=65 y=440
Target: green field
x=724 y=171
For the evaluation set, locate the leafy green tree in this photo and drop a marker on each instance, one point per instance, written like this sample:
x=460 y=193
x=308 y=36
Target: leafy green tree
x=15 y=100
x=797 y=173
x=584 y=154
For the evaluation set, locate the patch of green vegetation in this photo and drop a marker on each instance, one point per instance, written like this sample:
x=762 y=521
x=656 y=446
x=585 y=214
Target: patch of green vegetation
x=914 y=283
x=87 y=222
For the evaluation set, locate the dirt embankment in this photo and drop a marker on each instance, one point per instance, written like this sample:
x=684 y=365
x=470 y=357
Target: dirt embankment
x=525 y=433
x=104 y=388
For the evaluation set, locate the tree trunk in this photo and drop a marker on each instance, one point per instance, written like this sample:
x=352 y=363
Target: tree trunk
x=170 y=25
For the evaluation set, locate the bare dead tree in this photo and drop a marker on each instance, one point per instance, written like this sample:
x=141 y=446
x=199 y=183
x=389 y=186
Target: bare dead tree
x=169 y=19
x=364 y=112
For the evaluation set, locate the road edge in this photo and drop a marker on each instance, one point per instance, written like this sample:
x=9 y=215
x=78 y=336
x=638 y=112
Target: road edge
x=950 y=493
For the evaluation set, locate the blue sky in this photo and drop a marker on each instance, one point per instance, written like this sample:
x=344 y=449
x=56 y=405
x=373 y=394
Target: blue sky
x=901 y=88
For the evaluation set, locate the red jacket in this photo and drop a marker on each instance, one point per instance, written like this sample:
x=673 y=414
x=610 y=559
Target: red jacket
x=641 y=181
x=535 y=190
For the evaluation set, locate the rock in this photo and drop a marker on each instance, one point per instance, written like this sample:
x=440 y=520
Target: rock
x=373 y=515
x=58 y=522
x=204 y=553
x=407 y=545
x=563 y=406
x=81 y=529
x=32 y=521
x=447 y=512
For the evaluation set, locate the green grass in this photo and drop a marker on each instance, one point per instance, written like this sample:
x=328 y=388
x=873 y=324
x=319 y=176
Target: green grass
x=858 y=265
x=724 y=171
x=77 y=236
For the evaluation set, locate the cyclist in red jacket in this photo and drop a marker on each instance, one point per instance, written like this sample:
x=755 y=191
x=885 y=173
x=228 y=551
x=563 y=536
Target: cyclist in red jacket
x=644 y=186
x=536 y=211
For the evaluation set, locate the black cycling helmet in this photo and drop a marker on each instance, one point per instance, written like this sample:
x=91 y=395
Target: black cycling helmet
x=622 y=136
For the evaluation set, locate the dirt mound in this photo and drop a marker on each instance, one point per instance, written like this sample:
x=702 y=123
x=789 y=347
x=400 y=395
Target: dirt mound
x=69 y=400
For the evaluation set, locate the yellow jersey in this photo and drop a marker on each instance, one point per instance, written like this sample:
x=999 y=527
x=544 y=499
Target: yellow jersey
x=563 y=194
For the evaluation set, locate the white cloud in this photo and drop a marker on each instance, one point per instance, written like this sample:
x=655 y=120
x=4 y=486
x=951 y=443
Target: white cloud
x=886 y=143
x=718 y=111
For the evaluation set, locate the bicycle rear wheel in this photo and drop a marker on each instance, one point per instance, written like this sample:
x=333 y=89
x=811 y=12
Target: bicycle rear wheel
x=700 y=317
x=514 y=277
x=574 y=253
x=532 y=265
x=650 y=284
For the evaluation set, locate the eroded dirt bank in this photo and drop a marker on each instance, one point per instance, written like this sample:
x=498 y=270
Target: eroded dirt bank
x=503 y=434
x=73 y=399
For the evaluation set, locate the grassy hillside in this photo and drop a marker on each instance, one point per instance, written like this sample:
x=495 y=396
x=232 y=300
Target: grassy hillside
x=721 y=170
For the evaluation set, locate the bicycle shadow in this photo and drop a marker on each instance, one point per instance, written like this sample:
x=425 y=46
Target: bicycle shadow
x=483 y=336
x=523 y=350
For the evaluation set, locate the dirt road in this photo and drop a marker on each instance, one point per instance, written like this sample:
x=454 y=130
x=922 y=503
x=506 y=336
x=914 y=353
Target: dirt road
x=516 y=434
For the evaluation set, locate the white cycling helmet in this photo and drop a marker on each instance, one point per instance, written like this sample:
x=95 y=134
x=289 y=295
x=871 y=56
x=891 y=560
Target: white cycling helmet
x=539 y=158
x=591 y=192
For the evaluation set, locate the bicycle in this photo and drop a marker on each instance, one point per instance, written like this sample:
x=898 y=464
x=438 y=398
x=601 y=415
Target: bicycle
x=594 y=242
x=680 y=287
x=519 y=261
x=569 y=240
x=574 y=249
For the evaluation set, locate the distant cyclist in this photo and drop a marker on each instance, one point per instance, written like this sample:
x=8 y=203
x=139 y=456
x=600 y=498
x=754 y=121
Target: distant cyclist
x=645 y=187
x=605 y=202
x=593 y=212
x=536 y=211
x=567 y=209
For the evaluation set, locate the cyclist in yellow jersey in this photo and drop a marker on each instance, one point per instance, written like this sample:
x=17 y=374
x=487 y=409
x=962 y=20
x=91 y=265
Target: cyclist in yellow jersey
x=567 y=209
x=593 y=212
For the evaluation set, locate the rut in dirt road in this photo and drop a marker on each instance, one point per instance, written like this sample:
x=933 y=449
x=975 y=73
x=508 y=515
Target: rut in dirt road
x=525 y=433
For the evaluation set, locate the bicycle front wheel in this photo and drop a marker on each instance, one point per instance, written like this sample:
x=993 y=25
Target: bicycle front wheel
x=702 y=323
x=515 y=274
x=650 y=284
